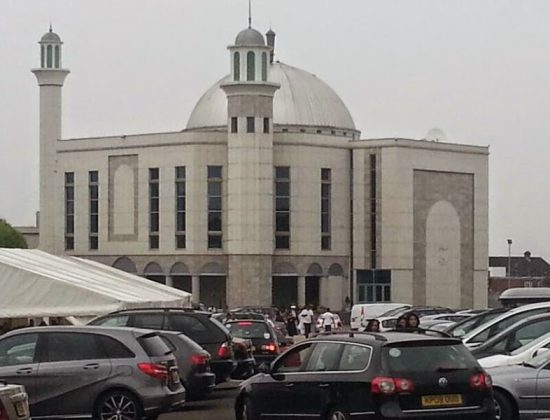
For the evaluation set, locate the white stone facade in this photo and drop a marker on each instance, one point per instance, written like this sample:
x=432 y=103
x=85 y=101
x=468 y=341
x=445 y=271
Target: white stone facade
x=408 y=219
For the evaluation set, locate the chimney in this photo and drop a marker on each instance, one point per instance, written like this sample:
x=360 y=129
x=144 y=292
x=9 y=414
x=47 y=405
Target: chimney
x=270 y=36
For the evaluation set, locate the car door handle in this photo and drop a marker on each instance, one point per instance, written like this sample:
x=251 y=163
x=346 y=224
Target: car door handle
x=289 y=385
x=91 y=366
x=324 y=385
x=24 y=371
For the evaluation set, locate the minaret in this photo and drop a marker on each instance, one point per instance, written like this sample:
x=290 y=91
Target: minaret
x=50 y=78
x=250 y=240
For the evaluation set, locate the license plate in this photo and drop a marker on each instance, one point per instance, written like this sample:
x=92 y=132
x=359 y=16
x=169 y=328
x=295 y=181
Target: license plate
x=442 y=400
x=20 y=409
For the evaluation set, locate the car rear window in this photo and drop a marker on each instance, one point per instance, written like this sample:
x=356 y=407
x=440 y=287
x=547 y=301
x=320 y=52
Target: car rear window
x=153 y=345
x=114 y=349
x=409 y=358
x=245 y=329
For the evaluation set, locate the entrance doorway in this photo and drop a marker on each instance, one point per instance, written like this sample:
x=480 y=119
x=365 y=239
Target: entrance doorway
x=312 y=290
x=212 y=291
x=284 y=291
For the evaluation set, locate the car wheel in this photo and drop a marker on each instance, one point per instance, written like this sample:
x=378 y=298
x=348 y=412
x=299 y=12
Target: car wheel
x=504 y=409
x=337 y=414
x=118 y=405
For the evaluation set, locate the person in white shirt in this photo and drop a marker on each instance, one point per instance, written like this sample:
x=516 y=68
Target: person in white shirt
x=306 y=319
x=328 y=320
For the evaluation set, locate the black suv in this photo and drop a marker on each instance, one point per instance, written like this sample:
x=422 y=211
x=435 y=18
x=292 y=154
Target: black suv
x=210 y=334
x=364 y=375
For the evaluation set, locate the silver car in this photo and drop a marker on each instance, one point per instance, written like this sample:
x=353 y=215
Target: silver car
x=95 y=372
x=522 y=391
x=14 y=404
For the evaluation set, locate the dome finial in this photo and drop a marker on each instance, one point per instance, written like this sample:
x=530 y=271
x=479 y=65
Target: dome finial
x=51 y=27
x=250 y=13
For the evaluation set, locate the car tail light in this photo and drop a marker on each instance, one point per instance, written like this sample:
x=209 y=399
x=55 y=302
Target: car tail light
x=389 y=386
x=154 y=370
x=245 y=323
x=199 y=359
x=481 y=381
x=224 y=352
x=270 y=347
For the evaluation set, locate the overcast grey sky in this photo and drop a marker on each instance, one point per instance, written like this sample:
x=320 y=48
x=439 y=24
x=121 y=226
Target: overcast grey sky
x=478 y=69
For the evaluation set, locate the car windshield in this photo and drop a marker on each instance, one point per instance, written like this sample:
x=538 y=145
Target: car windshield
x=246 y=329
x=532 y=344
x=395 y=311
x=464 y=327
x=428 y=358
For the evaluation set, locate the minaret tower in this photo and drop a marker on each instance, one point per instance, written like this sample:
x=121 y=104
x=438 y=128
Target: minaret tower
x=50 y=78
x=249 y=242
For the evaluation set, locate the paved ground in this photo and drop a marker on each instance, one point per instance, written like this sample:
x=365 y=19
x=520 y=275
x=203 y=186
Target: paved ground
x=218 y=406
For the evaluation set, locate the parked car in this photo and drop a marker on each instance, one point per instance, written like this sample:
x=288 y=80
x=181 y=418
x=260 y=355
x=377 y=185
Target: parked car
x=271 y=313
x=210 y=334
x=461 y=328
x=520 y=355
x=484 y=332
x=92 y=371
x=521 y=391
x=515 y=336
x=361 y=312
x=429 y=321
x=193 y=364
x=338 y=324
x=365 y=375
x=264 y=339
x=14 y=402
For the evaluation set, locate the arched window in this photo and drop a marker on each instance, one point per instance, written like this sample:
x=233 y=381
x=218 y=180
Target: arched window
x=264 y=67
x=57 y=56
x=49 y=57
x=236 y=66
x=250 y=66
x=42 y=56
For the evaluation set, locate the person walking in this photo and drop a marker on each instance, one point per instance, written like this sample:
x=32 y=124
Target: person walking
x=306 y=318
x=291 y=322
x=327 y=320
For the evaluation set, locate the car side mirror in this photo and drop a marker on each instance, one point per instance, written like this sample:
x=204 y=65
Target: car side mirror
x=264 y=368
x=540 y=351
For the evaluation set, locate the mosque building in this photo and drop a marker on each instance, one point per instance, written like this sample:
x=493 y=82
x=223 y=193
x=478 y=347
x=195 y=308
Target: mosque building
x=269 y=196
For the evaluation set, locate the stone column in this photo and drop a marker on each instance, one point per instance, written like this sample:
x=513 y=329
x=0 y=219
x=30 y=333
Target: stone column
x=169 y=281
x=195 y=288
x=301 y=290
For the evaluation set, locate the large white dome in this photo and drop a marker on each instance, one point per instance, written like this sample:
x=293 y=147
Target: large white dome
x=302 y=100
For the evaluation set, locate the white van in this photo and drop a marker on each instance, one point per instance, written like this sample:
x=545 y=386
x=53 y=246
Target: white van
x=361 y=312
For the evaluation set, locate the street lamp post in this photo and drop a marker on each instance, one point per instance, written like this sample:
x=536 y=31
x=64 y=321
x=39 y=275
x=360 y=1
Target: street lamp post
x=509 y=271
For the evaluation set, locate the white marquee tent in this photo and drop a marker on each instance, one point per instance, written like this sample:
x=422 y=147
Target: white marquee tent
x=37 y=284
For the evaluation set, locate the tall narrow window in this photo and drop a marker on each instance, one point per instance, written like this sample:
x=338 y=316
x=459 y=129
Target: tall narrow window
x=236 y=66
x=234 y=124
x=49 y=58
x=266 y=125
x=180 y=207
x=264 y=67
x=93 y=191
x=154 y=211
x=326 y=180
x=373 y=227
x=282 y=207
x=250 y=66
x=214 y=192
x=69 y=211
x=250 y=128
x=42 y=56
x=57 y=56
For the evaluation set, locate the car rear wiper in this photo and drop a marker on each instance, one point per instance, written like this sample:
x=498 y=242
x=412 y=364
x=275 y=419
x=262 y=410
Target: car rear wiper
x=450 y=369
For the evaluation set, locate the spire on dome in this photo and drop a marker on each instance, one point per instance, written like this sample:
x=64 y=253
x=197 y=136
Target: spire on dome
x=250 y=13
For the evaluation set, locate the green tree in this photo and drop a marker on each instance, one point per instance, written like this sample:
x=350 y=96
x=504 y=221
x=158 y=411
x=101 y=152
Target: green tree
x=9 y=237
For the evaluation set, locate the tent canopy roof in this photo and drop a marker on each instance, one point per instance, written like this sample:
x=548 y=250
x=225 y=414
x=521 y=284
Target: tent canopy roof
x=34 y=283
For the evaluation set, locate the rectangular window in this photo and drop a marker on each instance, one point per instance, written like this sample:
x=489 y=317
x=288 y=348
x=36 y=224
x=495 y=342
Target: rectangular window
x=266 y=125
x=154 y=210
x=282 y=207
x=180 y=207
x=234 y=125
x=326 y=208
x=93 y=190
x=374 y=286
x=373 y=199
x=69 y=211
x=215 y=207
x=250 y=125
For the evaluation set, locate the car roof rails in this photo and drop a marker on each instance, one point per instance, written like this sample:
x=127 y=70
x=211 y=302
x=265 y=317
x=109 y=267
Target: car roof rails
x=421 y=330
x=352 y=334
